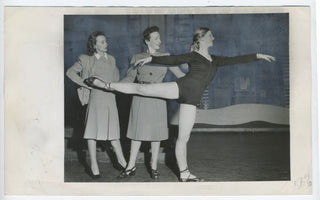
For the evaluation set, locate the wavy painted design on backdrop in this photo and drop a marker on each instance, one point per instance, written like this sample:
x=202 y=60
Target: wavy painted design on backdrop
x=240 y=114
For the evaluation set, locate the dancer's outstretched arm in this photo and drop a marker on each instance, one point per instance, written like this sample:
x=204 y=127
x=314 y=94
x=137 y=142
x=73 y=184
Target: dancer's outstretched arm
x=166 y=60
x=185 y=58
x=222 y=61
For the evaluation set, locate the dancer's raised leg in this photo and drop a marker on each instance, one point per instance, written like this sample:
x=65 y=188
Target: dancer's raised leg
x=167 y=90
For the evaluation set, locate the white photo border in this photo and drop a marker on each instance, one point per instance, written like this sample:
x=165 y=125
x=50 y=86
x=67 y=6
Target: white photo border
x=202 y=3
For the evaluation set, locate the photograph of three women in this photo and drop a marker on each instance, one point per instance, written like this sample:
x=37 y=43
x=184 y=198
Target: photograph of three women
x=177 y=98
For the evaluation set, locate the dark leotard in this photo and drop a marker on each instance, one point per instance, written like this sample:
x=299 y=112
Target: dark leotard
x=201 y=72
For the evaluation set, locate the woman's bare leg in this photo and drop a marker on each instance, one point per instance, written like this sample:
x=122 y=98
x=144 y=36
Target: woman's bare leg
x=187 y=118
x=155 y=147
x=92 y=147
x=118 y=151
x=168 y=90
x=134 y=149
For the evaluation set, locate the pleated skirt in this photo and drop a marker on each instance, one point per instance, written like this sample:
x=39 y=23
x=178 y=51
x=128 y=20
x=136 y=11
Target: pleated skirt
x=148 y=119
x=102 y=121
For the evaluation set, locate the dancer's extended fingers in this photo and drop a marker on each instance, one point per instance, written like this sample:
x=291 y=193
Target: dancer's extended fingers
x=266 y=57
x=143 y=61
x=269 y=58
x=272 y=58
x=140 y=62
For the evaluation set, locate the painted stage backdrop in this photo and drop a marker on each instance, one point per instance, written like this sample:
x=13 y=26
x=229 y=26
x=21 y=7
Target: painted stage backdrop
x=235 y=34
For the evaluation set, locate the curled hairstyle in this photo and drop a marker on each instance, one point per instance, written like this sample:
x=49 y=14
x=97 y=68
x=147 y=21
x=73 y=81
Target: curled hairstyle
x=196 y=37
x=148 y=31
x=92 y=40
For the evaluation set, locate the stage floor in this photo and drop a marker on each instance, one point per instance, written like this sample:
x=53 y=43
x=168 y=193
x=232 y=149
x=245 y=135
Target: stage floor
x=214 y=156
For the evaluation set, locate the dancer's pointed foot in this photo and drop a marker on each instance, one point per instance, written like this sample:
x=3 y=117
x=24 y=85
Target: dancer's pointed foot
x=97 y=82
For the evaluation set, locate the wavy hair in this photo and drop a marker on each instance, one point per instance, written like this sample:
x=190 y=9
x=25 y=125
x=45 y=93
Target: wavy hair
x=92 y=40
x=148 y=31
x=196 y=37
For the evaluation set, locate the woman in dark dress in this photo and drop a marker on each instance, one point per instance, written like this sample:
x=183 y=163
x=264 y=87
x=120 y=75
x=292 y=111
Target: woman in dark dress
x=188 y=89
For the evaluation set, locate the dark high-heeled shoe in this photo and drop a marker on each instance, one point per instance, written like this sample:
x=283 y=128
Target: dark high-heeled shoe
x=93 y=176
x=128 y=172
x=189 y=178
x=155 y=174
x=119 y=167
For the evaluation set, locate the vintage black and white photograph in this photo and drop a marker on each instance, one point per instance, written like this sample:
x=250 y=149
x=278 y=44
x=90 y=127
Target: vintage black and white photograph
x=201 y=97
x=159 y=101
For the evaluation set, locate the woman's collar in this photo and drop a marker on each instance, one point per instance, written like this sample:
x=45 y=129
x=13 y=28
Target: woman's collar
x=98 y=55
